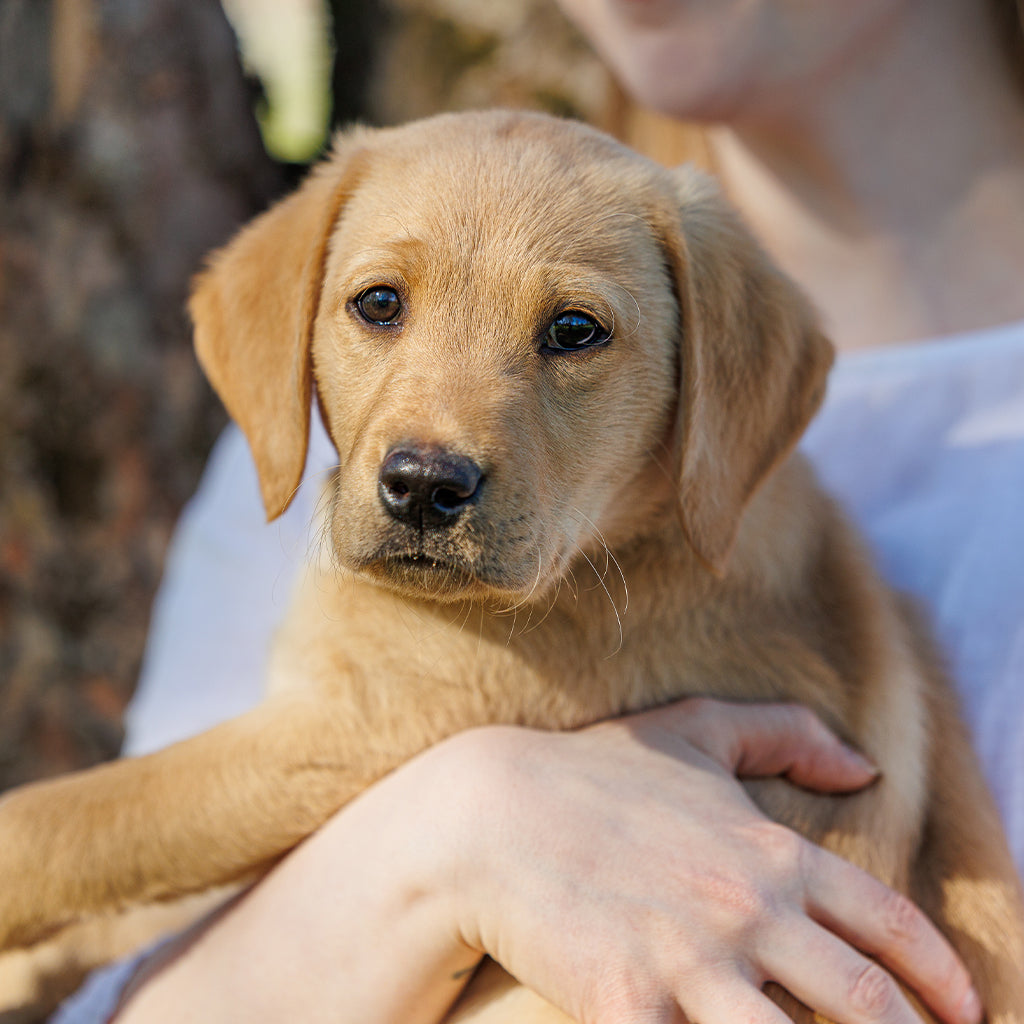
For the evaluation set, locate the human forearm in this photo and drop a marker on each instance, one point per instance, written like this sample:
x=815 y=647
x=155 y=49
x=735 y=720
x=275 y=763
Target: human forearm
x=354 y=925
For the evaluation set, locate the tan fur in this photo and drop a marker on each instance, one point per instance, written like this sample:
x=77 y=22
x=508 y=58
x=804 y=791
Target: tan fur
x=658 y=464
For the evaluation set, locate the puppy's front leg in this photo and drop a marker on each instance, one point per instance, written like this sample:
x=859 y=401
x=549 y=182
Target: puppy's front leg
x=209 y=810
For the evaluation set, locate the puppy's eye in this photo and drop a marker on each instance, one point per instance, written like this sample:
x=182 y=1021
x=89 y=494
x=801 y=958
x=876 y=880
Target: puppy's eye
x=379 y=305
x=572 y=331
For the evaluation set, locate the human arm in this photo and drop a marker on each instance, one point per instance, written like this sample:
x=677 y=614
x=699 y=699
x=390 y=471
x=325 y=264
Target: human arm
x=619 y=871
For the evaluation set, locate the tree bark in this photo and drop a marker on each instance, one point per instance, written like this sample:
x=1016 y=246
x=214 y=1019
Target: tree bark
x=127 y=150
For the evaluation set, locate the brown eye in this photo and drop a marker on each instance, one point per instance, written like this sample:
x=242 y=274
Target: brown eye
x=379 y=305
x=573 y=331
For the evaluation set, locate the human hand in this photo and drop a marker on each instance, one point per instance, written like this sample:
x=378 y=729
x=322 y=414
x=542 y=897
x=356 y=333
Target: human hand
x=622 y=873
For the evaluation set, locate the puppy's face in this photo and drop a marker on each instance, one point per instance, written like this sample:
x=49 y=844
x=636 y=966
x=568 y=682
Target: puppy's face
x=496 y=358
x=526 y=342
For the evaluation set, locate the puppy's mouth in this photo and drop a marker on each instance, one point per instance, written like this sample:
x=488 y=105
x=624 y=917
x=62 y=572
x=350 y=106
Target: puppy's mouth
x=423 y=575
x=417 y=571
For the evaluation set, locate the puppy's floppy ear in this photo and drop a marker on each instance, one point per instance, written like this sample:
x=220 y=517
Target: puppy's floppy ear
x=254 y=308
x=753 y=364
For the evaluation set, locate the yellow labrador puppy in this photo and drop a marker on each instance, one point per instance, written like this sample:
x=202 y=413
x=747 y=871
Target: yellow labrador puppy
x=535 y=352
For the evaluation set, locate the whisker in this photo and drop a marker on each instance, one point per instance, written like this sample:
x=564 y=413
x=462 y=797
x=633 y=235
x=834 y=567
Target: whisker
x=664 y=465
x=610 y=558
x=516 y=603
x=611 y=601
x=536 y=578
x=552 y=600
x=570 y=578
x=512 y=630
x=479 y=633
x=460 y=613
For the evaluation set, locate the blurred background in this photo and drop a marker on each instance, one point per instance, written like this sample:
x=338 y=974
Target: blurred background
x=136 y=135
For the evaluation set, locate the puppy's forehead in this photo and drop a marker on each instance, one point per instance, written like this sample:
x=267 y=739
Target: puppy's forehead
x=518 y=184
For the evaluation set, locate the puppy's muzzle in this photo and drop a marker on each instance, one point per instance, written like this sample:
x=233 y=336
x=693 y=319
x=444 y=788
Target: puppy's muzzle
x=427 y=487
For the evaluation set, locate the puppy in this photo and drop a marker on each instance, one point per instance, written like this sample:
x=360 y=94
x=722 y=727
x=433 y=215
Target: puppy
x=536 y=354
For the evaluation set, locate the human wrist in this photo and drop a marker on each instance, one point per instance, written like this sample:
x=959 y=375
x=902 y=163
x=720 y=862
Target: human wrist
x=493 y=806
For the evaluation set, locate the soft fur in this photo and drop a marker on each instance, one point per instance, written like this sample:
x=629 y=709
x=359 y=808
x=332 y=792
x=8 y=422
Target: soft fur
x=658 y=463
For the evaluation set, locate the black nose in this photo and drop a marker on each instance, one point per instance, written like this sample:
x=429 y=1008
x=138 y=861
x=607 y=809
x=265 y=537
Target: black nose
x=427 y=487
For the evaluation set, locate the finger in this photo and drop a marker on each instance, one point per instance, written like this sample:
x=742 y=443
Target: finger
x=724 y=1002
x=887 y=925
x=757 y=740
x=831 y=977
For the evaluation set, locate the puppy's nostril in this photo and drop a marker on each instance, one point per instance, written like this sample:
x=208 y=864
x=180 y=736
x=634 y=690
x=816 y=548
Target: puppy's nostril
x=449 y=500
x=426 y=486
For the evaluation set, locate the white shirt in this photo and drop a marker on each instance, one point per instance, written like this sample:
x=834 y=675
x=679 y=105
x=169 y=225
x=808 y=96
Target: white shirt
x=924 y=444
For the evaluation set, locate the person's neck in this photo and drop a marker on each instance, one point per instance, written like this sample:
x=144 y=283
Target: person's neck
x=897 y=204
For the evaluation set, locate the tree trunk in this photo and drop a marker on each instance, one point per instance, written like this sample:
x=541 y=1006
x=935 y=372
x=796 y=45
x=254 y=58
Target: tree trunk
x=127 y=150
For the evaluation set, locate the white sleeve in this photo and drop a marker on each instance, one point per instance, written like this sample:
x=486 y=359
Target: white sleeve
x=227 y=581
x=100 y=995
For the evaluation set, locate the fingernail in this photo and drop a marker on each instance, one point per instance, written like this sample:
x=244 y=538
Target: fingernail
x=970 y=1008
x=863 y=763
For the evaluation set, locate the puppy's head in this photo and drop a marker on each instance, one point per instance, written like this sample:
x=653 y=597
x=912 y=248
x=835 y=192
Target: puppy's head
x=525 y=340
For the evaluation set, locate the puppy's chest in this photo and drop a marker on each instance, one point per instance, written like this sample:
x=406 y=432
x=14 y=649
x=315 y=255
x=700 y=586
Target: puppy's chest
x=434 y=669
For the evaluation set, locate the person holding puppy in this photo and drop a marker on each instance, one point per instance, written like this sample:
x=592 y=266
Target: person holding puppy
x=878 y=151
